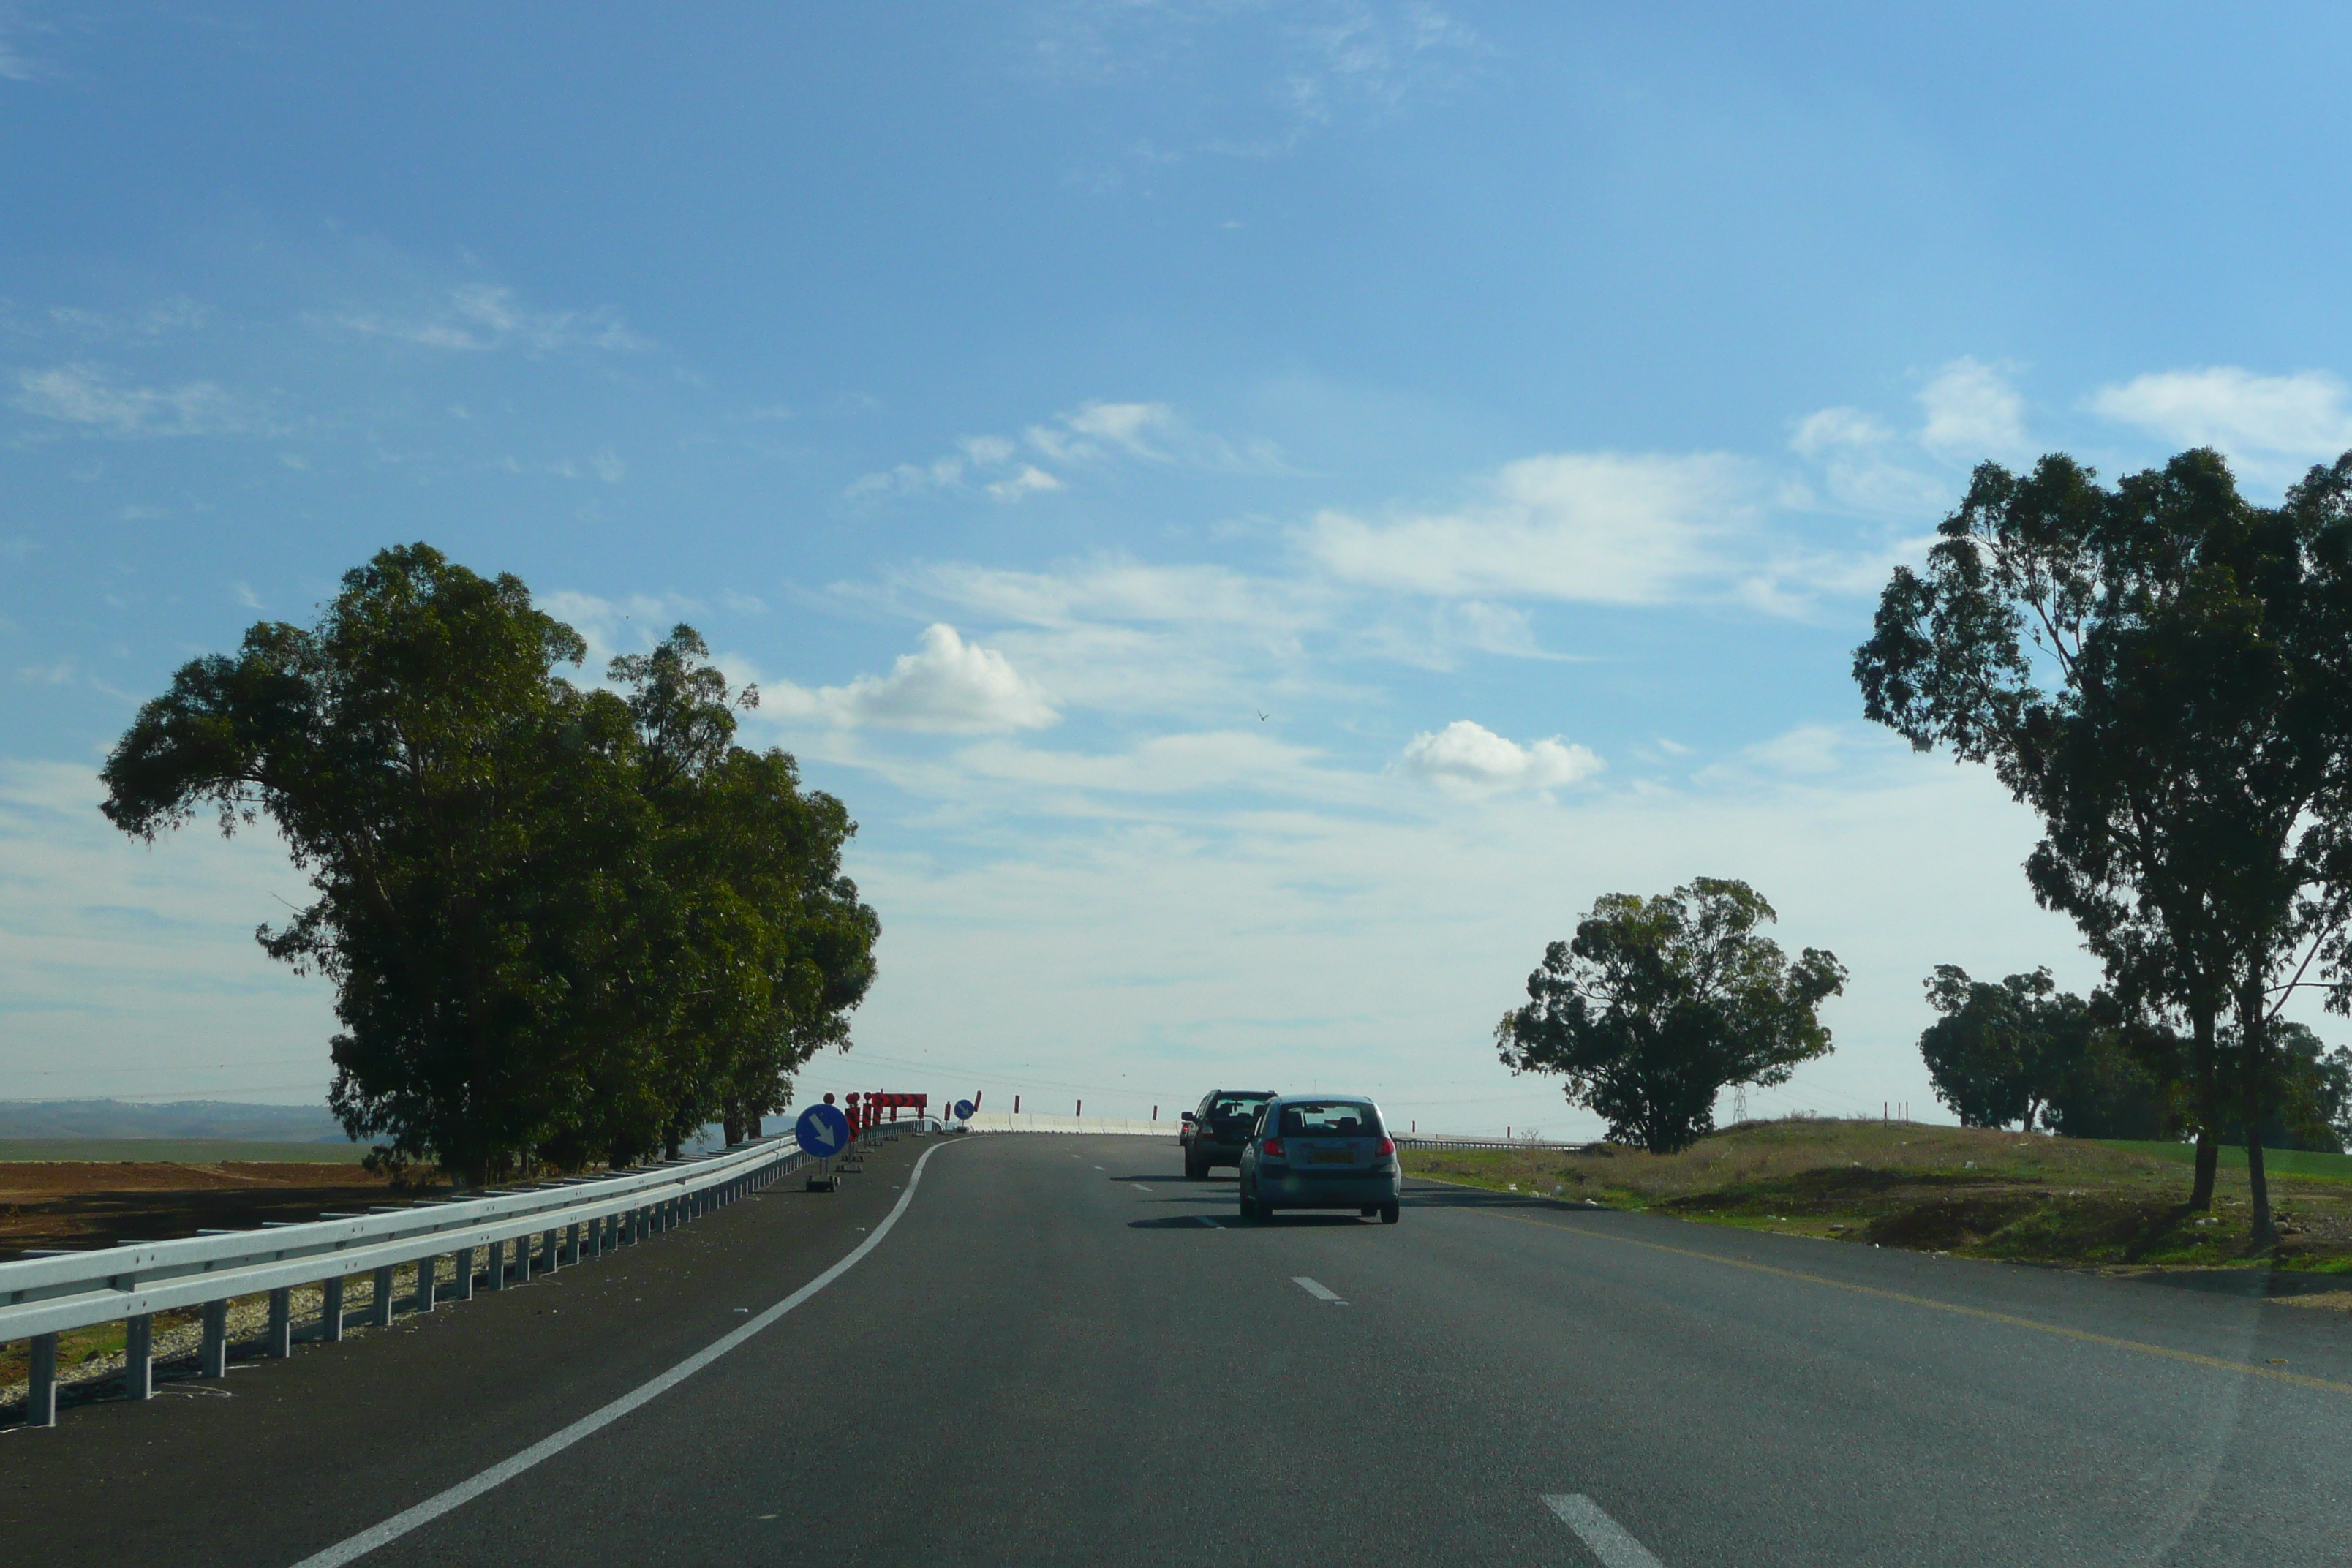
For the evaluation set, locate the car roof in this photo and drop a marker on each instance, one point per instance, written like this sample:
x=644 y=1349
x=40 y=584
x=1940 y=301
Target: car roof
x=1241 y=1093
x=1323 y=1099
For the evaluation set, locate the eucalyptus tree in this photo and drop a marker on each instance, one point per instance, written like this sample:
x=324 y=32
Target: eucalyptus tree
x=1657 y=1005
x=562 y=925
x=2002 y=1052
x=2158 y=671
x=470 y=831
x=772 y=947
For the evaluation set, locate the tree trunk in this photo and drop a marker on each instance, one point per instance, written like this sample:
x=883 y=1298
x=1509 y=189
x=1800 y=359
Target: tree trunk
x=734 y=1126
x=2260 y=1182
x=2208 y=1161
x=2204 y=1071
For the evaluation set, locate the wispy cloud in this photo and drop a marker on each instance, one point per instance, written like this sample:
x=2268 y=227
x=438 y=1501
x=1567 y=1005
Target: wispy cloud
x=1316 y=64
x=2271 y=422
x=86 y=395
x=146 y=324
x=1096 y=435
x=478 y=318
x=1972 y=412
x=1599 y=527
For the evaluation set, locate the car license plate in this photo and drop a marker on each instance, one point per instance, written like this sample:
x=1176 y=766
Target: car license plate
x=1334 y=1157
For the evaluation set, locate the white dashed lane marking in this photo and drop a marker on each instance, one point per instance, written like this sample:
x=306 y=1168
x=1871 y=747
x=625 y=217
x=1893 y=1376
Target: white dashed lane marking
x=1321 y=1292
x=1204 y=1219
x=1604 y=1536
x=1143 y=1189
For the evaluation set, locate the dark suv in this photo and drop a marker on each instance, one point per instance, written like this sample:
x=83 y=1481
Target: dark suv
x=1213 y=1134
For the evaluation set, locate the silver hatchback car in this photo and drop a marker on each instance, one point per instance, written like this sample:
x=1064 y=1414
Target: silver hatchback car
x=1320 y=1151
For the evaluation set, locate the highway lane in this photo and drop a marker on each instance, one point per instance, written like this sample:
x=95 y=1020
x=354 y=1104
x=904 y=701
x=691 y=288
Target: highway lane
x=1066 y=1354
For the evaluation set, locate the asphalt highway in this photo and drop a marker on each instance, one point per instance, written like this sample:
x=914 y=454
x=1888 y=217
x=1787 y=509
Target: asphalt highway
x=1062 y=1352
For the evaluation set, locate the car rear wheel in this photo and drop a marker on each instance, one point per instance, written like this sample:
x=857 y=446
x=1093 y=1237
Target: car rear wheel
x=1250 y=1211
x=1388 y=1213
x=1196 y=1170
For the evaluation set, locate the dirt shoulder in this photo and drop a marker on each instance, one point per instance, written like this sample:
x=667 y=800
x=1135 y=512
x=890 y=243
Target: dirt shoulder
x=1968 y=1192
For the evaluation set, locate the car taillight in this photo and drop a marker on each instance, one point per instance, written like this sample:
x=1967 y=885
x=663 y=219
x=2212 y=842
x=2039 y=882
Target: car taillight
x=1274 y=1148
x=1388 y=1146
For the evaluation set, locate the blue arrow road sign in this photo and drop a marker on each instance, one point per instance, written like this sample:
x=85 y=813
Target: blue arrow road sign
x=963 y=1109
x=823 y=1131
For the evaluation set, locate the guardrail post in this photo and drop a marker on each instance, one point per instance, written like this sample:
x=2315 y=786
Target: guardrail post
x=465 y=1261
x=330 y=1310
x=523 y=1259
x=41 y=1383
x=571 y=1244
x=551 y=1252
x=494 y=1276
x=281 y=1341
x=596 y=1237
x=212 y=1358
x=138 y=1357
x=380 y=1308
x=427 y=1284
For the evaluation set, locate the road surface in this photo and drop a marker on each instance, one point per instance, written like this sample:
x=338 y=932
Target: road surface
x=1062 y=1352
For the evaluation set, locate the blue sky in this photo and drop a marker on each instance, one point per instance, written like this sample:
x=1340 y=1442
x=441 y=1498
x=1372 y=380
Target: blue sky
x=1519 y=405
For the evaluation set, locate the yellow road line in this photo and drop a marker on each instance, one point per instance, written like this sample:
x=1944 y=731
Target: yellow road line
x=1982 y=1313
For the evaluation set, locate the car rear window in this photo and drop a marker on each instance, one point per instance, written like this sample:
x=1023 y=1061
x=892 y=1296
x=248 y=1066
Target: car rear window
x=1331 y=1118
x=1236 y=1106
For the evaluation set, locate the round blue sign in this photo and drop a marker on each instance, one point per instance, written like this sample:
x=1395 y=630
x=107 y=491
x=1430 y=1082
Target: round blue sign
x=963 y=1109
x=823 y=1131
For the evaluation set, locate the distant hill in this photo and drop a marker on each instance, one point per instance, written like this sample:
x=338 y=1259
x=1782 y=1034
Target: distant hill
x=178 y=1118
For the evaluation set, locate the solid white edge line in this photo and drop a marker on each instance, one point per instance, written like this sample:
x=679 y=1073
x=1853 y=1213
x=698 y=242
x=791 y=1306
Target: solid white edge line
x=1604 y=1536
x=547 y=1448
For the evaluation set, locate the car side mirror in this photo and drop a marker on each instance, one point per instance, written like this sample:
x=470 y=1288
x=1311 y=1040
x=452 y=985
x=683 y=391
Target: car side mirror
x=1188 y=1116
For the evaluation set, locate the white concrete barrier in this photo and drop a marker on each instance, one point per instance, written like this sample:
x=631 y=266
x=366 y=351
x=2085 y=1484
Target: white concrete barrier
x=1031 y=1122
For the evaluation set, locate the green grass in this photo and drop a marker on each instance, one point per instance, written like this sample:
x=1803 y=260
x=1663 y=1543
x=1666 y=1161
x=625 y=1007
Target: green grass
x=181 y=1151
x=2276 y=1161
x=1972 y=1192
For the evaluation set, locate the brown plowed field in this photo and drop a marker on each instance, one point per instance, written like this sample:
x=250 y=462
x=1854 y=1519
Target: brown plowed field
x=88 y=1203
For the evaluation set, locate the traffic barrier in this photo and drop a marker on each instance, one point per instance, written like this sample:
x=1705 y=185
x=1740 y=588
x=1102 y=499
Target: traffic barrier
x=49 y=1293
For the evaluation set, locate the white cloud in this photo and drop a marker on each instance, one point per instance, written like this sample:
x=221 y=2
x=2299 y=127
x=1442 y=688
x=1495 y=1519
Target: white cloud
x=1469 y=758
x=1832 y=430
x=1029 y=480
x=1603 y=528
x=478 y=317
x=1097 y=434
x=85 y=396
x=949 y=686
x=608 y=466
x=1973 y=412
x=1083 y=436
x=2301 y=415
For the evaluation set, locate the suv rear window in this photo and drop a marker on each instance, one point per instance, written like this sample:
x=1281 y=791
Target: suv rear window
x=1231 y=1106
x=1331 y=1118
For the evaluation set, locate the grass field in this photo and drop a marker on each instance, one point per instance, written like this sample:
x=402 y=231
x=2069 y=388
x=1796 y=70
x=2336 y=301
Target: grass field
x=2276 y=1161
x=181 y=1151
x=1972 y=1192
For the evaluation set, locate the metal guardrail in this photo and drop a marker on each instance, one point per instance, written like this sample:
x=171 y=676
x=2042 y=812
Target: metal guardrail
x=549 y=1227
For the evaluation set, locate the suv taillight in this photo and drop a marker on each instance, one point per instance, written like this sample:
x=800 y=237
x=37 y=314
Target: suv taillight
x=1274 y=1148
x=1388 y=1146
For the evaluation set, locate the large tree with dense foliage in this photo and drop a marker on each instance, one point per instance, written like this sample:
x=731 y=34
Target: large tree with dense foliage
x=2157 y=669
x=1657 y=1005
x=556 y=920
x=1999 y=1054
